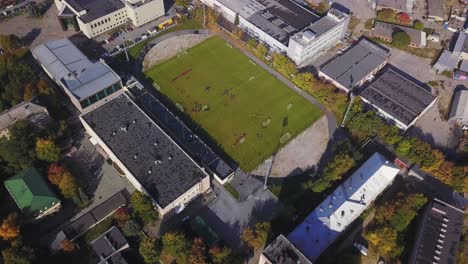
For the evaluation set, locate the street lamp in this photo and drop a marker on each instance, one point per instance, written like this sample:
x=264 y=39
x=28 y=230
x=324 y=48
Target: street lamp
x=284 y=125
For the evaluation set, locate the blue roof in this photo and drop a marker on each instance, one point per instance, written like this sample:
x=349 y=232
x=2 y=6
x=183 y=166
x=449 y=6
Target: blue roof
x=69 y=66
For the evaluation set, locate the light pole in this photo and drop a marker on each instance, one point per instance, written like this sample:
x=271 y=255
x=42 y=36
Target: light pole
x=124 y=45
x=285 y=124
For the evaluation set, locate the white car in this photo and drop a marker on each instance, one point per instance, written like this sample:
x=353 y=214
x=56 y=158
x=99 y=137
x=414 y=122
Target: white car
x=361 y=248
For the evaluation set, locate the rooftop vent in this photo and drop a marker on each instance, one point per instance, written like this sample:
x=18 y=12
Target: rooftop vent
x=149 y=171
x=135 y=156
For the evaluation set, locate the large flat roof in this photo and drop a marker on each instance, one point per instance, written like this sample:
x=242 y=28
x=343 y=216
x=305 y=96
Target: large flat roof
x=439 y=234
x=154 y=159
x=459 y=109
x=67 y=64
x=184 y=136
x=278 y=18
x=343 y=206
x=435 y=8
x=95 y=8
x=395 y=4
x=356 y=63
x=398 y=95
x=281 y=251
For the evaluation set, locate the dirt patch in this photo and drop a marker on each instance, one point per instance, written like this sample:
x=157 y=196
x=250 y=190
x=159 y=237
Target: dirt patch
x=170 y=47
x=301 y=154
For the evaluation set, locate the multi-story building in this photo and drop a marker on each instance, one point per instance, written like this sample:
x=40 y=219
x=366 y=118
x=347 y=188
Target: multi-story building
x=88 y=84
x=332 y=217
x=27 y=110
x=439 y=234
x=145 y=154
x=98 y=16
x=285 y=26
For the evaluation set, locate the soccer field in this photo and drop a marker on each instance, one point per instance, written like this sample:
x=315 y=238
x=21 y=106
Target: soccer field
x=246 y=110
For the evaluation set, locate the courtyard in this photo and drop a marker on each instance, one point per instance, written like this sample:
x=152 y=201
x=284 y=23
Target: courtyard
x=245 y=109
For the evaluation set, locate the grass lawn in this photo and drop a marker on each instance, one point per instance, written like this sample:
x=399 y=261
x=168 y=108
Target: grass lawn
x=240 y=105
x=232 y=191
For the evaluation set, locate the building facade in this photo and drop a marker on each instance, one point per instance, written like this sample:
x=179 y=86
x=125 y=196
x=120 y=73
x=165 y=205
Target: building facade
x=88 y=84
x=29 y=110
x=285 y=26
x=147 y=156
x=99 y=16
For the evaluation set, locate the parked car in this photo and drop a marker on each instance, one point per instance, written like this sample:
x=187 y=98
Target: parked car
x=110 y=39
x=120 y=47
x=137 y=40
x=129 y=28
x=103 y=42
x=114 y=50
x=115 y=35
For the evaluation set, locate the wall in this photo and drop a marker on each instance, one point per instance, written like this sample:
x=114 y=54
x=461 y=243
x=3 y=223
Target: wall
x=145 y=13
x=104 y=23
x=271 y=42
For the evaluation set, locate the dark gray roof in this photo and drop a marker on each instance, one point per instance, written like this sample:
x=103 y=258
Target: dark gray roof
x=386 y=30
x=154 y=159
x=439 y=234
x=356 y=63
x=281 y=251
x=95 y=8
x=282 y=18
x=96 y=215
x=398 y=95
x=109 y=244
x=184 y=136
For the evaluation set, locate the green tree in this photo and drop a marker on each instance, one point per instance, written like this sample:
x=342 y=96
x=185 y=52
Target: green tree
x=256 y=238
x=404 y=147
x=236 y=21
x=47 y=150
x=401 y=39
x=10 y=43
x=183 y=3
x=18 y=253
x=418 y=25
x=34 y=10
x=220 y=255
x=386 y=15
x=252 y=43
x=283 y=64
x=143 y=208
x=175 y=245
x=131 y=228
x=18 y=151
x=304 y=80
x=261 y=51
x=148 y=250
x=335 y=170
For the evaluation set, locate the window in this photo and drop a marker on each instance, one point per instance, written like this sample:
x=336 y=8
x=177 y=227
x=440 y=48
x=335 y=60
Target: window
x=101 y=95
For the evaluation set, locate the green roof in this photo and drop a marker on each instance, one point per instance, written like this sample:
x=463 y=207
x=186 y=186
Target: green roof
x=30 y=192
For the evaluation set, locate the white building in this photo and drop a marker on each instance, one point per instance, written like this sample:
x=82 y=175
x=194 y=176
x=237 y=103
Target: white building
x=98 y=16
x=285 y=26
x=459 y=109
x=327 y=222
x=145 y=154
x=88 y=84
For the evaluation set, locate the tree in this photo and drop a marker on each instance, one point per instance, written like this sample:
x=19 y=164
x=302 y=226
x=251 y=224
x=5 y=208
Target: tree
x=148 y=250
x=384 y=239
x=10 y=228
x=418 y=25
x=183 y=3
x=283 y=64
x=142 y=206
x=197 y=252
x=256 y=238
x=252 y=43
x=403 y=18
x=29 y=91
x=68 y=186
x=335 y=170
x=239 y=33
x=404 y=147
x=55 y=173
x=175 y=245
x=18 y=253
x=47 y=150
x=401 y=39
x=18 y=151
x=131 y=228
x=121 y=216
x=323 y=7
x=67 y=245
x=34 y=10
x=304 y=80
x=236 y=21
x=220 y=255
x=261 y=51
x=386 y=15
x=10 y=43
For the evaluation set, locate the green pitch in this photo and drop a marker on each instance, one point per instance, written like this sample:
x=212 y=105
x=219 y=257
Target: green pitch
x=243 y=107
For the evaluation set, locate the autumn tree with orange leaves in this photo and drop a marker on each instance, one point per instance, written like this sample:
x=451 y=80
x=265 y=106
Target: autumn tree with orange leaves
x=10 y=229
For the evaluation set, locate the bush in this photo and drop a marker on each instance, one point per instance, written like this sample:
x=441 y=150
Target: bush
x=418 y=25
x=142 y=206
x=401 y=39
